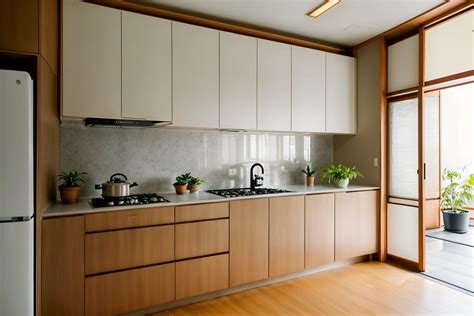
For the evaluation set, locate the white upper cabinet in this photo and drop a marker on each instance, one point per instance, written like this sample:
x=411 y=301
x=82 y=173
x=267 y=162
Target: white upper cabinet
x=195 y=76
x=449 y=47
x=91 y=68
x=238 y=81
x=146 y=67
x=341 y=109
x=308 y=94
x=403 y=64
x=274 y=86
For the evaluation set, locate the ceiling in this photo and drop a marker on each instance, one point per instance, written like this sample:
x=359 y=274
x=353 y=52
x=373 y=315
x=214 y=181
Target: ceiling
x=349 y=23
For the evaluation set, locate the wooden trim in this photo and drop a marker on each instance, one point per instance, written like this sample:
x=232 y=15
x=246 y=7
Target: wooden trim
x=403 y=263
x=402 y=91
x=403 y=97
x=464 y=8
x=383 y=235
x=402 y=204
x=223 y=25
x=429 y=89
x=421 y=153
x=402 y=198
x=410 y=27
x=457 y=76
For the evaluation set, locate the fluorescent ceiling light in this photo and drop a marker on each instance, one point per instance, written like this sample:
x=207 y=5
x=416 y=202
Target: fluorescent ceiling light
x=328 y=4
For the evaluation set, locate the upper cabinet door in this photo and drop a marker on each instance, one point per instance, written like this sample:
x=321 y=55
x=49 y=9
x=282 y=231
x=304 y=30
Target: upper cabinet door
x=274 y=86
x=146 y=67
x=195 y=76
x=340 y=94
x=238 y=81
x=19 y=25
x=308 y=95
x=403 y=64
x=449 y=47
x=91 y=69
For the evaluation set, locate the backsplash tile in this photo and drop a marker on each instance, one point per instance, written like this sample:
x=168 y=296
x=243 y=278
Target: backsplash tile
x=154 y=157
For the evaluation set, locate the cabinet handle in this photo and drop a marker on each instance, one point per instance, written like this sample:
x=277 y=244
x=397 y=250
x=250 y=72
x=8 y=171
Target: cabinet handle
x=424 y=171
x=131 y=217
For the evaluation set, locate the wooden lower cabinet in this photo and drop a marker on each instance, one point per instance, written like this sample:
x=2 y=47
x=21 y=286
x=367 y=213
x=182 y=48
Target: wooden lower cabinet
x=189 y=213
x=319 y=230
x=356 y=224
x=286 y=245
x=201 y=238
x=120 y=292
x=62 y=266
x=128 y=248
x=202 y=275
x=248 y=241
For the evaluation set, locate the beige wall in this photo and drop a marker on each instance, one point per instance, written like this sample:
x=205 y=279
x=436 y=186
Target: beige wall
x=360 y=150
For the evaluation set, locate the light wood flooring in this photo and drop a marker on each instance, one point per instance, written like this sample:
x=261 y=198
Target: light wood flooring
x=367 y=288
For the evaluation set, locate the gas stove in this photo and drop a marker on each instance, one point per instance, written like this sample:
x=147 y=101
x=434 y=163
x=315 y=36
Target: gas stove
x=136 y=199
x=230 y=193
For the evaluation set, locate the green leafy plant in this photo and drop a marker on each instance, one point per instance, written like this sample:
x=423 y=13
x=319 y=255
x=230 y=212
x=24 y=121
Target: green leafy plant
x=195 y=181
x=71 y=178
x=338 y=172
x=183 y=179
x=308 y=172
x=456 y=193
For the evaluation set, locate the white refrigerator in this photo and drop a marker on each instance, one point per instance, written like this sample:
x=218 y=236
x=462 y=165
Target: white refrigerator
x=16 y=194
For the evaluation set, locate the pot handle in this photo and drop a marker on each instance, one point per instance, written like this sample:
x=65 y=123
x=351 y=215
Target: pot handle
x=118 y=174
x=98 y=187
x=134 y=184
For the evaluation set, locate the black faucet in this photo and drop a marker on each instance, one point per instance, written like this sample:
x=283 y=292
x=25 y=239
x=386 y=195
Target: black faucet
x=256 y=181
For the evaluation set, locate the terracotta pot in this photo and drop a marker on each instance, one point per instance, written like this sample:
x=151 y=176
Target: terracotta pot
x=70 y=194
x=310 y=181
x=180 y=188
x=193 y=188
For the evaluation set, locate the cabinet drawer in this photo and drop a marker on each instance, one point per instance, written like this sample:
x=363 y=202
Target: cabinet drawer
x=203 y=275
x=128 y=248
x=201 y=238
x=201 y=212
x=120 y=292
x=128 y=219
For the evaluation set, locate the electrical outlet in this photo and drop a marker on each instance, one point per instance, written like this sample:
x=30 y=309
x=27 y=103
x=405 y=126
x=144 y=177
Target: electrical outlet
x=376 y=162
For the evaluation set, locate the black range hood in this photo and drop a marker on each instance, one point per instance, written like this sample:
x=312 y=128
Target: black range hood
x=90 y=122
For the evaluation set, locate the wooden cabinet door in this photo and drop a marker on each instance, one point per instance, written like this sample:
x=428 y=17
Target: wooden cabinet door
x=202 y=275
x=248 y=241
x=319 y=230
x=449 y=48
x=238 y=81
x=308 y=90
x=19 y=23
x=122 y=292
x=403 y=64
x=356 y=224
x=195 y=76
x=274 y=86
x=62 y=266
x=286 y=235
x=91 y=68
x=146 y=67
x=341 y=109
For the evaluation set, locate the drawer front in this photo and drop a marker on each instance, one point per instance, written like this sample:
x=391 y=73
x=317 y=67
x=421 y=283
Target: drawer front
x=120 y=292
x=129 y=219
x=201 y=212
x=128 y=248
x=201 y=238
x=203 y=275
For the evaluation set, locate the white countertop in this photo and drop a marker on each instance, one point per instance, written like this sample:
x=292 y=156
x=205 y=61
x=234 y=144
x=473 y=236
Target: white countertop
x=83 y=207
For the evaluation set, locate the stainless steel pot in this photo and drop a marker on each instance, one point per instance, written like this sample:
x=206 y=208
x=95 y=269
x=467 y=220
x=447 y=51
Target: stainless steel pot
x=116 y=187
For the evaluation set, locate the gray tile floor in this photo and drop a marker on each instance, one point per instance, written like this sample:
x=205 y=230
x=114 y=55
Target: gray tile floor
x=451 y=259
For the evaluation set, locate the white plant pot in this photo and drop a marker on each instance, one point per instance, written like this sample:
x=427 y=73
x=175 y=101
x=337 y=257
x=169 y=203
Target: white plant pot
x=342 y=183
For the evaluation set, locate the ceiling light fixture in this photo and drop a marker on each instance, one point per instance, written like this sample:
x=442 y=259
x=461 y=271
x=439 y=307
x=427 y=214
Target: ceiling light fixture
x=326 y=6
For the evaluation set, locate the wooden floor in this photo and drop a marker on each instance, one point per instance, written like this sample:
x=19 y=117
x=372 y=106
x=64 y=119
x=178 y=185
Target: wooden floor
x=365 y=289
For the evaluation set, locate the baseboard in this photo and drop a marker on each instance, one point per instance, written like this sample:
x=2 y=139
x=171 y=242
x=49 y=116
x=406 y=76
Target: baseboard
x=207 y=296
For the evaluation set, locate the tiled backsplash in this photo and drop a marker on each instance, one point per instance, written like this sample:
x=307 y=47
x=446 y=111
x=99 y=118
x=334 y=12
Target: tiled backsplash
x=154 y=157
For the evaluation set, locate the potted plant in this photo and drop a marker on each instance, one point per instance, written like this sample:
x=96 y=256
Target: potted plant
x=182 y=183
x=70 y=190
x=309 y=175
x=456 y=194
x=339 y=174
x=194 y=183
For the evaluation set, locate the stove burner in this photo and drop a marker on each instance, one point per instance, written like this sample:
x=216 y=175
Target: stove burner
x=136 y=199
x=230 y=193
